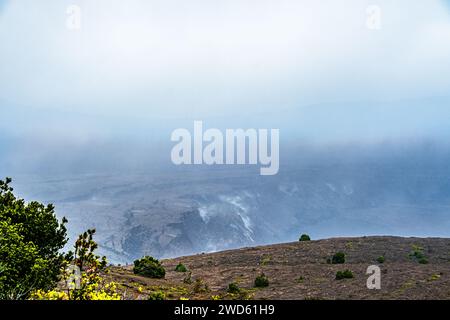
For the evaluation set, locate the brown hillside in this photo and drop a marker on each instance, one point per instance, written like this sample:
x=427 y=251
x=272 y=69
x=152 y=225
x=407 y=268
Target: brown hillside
x=300 y=270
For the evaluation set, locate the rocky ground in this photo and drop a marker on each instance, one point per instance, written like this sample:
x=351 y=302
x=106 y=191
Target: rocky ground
x=414 y=268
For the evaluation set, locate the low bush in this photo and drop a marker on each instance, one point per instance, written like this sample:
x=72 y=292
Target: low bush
x=157 y=295
x=180 y=268
x=233 y=288
x=418 y=255
x=305 y=237
x=261 y=281
x=346 y=274
x=338 y=258
x=149 y=267
x=423 y=260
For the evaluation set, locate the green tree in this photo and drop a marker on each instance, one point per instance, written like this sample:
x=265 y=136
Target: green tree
x=149 y=267
x=31 y=238
x=304 y=237
x=90 y=265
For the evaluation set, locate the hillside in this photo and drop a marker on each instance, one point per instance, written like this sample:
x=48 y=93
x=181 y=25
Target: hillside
x=300 y=270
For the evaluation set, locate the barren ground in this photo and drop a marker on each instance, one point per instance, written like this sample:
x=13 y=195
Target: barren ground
x=300 y=270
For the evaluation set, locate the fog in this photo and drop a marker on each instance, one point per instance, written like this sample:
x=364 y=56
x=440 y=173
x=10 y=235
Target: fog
x=134 y=71
x=87 y=110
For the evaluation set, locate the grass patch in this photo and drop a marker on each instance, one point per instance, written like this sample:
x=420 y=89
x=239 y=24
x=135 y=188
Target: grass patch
x=265 y=259
x=346 y=274
x=434 y=277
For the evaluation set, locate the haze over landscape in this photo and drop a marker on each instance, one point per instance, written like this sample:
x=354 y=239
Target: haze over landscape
x=364 y=119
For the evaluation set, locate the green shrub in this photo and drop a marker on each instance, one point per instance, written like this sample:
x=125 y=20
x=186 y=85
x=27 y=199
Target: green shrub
x=157 y=295
x=338 y=258
x=418 y=255
x=261 y=281
x=149 y=267
x=346 y=274
x=180 y=268
x=305 y=237
x=381 y=259
x=233 y=288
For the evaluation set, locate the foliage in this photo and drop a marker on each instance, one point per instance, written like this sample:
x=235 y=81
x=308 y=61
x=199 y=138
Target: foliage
x=261 y=281
x=188 y=278
x=106 y=293
x=92 y=286
x=180 y=268
x=434 y=277
x=157 y=295
x=305 y=237
x=233 y=288
x=265 y=259
x=200 y=286
x=338 y=258
x=88 y=284
x=149 y=267
x=346 y=274
x=418 y=255
x=381 y=259
x=49 y=295
x=242 y=294
x=31 y=238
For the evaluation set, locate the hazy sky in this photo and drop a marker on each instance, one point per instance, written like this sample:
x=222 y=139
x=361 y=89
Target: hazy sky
x=312 y=66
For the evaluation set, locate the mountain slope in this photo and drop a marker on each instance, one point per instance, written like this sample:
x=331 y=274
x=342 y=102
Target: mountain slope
x=300 y=270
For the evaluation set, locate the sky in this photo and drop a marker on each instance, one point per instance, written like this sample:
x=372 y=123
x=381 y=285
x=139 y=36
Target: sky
x=136 y=70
